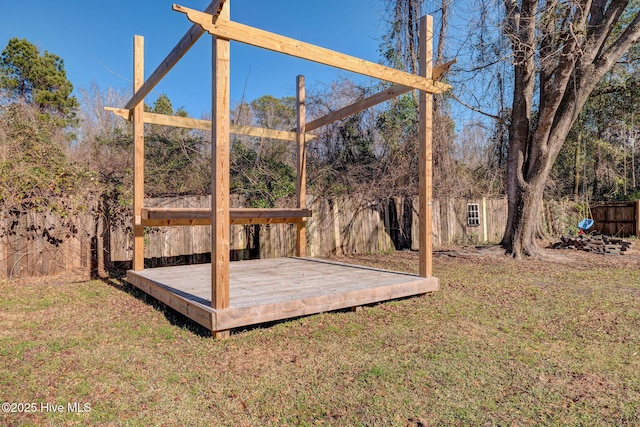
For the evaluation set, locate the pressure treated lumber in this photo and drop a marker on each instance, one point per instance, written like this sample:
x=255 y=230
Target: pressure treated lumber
x=273 y=289
x=226 y=29
x=425 y=140
x=301 y=163
x=220 y=163
x=280 y=289
x=371 y=101
x=358 y=106
x=238 y=216
x=191 y=123
x=174 y=56
x=138 y=155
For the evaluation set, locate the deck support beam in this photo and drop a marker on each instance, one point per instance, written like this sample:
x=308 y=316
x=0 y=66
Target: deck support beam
x=220 y=203
x=425 y=140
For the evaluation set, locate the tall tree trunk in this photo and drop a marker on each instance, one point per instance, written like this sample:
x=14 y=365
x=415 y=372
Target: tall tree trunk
x=526 y=209
x=576 y=170
x=527 y=187
x=569 y=65
x=526 y=201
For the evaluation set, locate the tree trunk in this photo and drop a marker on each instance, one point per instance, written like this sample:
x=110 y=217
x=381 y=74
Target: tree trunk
x=524 y=214
x=525 y=204
x=576 y=170
x=528 y=172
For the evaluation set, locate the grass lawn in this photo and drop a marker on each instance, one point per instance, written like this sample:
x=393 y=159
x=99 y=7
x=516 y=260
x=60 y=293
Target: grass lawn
x=502 y=343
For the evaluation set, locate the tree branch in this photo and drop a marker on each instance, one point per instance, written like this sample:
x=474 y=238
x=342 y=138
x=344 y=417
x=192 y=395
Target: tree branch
x=628 y=38
x=477 y=110
x=600 y=26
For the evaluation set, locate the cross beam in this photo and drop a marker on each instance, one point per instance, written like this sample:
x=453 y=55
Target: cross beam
x=230 y=30
x=191 y=123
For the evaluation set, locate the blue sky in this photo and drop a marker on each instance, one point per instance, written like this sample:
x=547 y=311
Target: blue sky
x=95 y=40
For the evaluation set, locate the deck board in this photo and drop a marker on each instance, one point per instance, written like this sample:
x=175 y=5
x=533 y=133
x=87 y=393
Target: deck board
x=274 y=289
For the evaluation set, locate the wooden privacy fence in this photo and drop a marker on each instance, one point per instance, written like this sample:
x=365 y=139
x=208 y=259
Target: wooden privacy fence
x=40 y=243
x=621 y=219
x=43 y=243
x=338 y=226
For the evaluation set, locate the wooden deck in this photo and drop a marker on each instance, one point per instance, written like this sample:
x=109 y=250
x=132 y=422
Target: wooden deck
x=273 y=289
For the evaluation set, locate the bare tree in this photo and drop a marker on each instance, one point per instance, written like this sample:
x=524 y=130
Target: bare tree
x=399 y=48
x=95 y=124
x=564 y=49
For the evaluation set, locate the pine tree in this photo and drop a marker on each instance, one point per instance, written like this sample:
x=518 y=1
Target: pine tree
x=39 y=79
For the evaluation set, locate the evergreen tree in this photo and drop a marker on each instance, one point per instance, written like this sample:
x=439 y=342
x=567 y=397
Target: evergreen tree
x=174 y=158
x=39 y=79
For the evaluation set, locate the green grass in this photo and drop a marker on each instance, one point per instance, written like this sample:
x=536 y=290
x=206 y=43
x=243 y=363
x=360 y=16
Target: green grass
x=501 y=343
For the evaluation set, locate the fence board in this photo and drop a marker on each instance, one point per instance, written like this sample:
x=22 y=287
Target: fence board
x=339 y=226
x=616 y=219
x=42 y=243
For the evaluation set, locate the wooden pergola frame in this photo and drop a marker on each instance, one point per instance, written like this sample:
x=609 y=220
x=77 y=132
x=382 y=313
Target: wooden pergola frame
x=216 y=21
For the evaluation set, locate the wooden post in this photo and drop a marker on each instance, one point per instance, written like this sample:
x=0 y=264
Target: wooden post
x=220 y=220
x=425 y=137
x=301 y=184
x=138 y=156
x=637 y=234
x=485 y=236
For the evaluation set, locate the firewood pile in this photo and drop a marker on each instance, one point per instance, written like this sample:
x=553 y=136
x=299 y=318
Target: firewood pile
x=598 y=244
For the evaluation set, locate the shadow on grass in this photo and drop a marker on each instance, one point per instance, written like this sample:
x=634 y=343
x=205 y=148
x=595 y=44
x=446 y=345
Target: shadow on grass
x=117 y=280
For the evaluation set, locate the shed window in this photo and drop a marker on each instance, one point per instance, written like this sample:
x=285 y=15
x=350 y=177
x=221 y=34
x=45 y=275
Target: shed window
x=473 y=215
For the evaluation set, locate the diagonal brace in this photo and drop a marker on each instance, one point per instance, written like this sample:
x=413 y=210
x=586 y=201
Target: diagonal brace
x=175 y=55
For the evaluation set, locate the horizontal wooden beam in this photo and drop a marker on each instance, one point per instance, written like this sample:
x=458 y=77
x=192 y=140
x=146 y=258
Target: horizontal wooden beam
x=439 y=70
x=238 y=221
x=175 y=55
x=358 y=106
x=177 y=121
x=270 y=213
x=183 y=303
x=265 y=133
x=239 y=216
x=245 y=34
x=190 y=123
